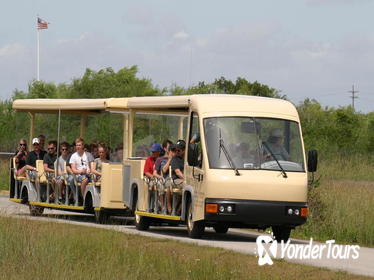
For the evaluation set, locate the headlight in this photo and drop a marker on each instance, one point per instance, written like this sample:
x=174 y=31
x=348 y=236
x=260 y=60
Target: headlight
x=221 y=209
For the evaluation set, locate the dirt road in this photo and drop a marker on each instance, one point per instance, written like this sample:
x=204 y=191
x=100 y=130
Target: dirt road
x=237 y=240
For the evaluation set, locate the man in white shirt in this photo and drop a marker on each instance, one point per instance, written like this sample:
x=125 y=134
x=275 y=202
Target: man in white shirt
x=80 y=164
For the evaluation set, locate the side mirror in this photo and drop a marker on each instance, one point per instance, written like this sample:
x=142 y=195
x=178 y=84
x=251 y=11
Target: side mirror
x=312 y=160
x=193 y=155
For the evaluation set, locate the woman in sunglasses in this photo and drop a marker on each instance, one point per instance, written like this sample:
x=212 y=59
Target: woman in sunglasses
x=20 y=157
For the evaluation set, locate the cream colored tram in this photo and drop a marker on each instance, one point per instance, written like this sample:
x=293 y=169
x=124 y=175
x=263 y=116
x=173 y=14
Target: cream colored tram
x=245 y=164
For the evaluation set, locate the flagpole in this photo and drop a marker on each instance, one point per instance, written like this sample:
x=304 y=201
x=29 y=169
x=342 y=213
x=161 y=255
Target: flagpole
x=37 y=55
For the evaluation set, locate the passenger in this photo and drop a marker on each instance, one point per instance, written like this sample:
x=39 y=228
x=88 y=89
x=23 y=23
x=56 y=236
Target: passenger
x=161 y=163
x=80 y=164
x=50 y=157
x=244 y=156
x=20 y=158
x=49 y=166
x=148 y=173
x=94 y=148
x=274 y=143
x=97 y=164
x=151 y=160
x=118 y=155
x=33 y=156
x=70 y=178
x=41 y=138
x=60 y=169
x=177 y=168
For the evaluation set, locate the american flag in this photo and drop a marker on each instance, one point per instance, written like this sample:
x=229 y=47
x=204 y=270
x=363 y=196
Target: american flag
x=42 y=24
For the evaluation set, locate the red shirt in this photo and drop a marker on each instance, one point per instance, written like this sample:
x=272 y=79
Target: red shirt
x=149 y=164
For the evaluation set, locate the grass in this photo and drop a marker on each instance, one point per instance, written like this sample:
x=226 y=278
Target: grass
x=340 y=207
x=341 y=210
x=44 y=250
x=4 y=174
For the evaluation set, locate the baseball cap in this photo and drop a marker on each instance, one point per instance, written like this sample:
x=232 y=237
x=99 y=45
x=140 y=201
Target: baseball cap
x=181 y=144
x=35 y=141
x=156 y=147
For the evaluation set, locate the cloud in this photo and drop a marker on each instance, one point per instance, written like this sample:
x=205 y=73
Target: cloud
x=14 y=49
x=264 y=52
x=181 y=35
x=335 y=2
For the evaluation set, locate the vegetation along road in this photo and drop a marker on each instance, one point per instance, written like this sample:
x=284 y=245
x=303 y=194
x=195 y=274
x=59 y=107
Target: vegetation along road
x=236 y=240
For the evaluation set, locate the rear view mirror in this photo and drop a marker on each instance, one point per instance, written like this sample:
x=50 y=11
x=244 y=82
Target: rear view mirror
x=193 y=155
x=312 y=160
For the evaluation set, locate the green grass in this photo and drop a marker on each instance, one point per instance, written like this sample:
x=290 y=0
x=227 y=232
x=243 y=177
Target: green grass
x=4 y=174
x=341 y=210
x=45 y=250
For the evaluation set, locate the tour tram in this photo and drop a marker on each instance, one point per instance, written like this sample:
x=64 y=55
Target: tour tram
x=244 y=166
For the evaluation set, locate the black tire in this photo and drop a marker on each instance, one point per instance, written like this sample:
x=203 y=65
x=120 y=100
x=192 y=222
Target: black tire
x=221 y=228
x=195 y=229
x=281 y=233
x=141 y=222
x=101 y=217
x=36 y=210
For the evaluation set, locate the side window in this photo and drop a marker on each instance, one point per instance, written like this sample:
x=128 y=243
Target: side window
x=194 y=137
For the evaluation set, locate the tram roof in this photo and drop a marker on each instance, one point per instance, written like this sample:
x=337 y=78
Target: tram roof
x=204 y=103
x=54 y=105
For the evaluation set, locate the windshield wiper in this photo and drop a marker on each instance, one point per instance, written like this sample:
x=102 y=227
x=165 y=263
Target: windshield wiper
x=280 y=166
x=228 y=157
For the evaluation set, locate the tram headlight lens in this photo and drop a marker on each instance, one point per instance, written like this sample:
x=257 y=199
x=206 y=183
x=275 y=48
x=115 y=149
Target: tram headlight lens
x=290 y=211
x=297 y=212
x=229 y=208
x=221 y=209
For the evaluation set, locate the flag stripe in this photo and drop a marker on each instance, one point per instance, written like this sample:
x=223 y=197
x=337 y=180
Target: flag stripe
x=42 y=24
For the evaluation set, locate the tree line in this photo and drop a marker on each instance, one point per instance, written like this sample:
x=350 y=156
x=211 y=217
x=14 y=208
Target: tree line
x=327 y=129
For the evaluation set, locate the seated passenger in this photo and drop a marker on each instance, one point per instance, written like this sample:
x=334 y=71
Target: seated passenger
x=20 y=158
x=274 y=143
x=177 y=168
x=33 y=156
x=177 y=163
x=70 y=177
x=41 y=138
x=118 y=154
x=80 y=164
x=94 y=148
x=49 y=165
x=50 y=157
x=148 y=173
x=163 y=162
x=151 y=160
x=97 y=164
x=60 y=169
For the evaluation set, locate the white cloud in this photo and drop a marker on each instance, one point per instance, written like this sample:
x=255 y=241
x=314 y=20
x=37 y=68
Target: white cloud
x=14 y=49
x=181 y=35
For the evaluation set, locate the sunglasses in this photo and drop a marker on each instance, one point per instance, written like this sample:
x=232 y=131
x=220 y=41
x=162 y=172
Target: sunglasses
x=50 y=149
x=64 y=149
x=35 y=144
x=22 y=144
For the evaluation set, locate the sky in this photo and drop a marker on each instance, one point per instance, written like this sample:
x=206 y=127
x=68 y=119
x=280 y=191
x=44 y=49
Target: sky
x=304 y=48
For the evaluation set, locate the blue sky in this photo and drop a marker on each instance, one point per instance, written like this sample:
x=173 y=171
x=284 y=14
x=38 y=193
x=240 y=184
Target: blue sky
x=305 y=48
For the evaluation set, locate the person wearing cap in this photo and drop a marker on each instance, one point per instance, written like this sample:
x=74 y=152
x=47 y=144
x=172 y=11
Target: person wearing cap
x=151 y=160
x=148 y=173
x=33 y=156
x=161 y=169
x=177 y=168
x=274 y=142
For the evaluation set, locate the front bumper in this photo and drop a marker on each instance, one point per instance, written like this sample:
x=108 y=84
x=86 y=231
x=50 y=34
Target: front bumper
x=255 y=213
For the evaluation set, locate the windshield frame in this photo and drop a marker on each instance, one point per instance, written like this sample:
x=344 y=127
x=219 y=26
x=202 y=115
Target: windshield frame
x=303 y=165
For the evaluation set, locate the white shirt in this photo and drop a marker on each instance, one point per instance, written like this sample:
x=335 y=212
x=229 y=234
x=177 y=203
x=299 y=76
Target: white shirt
x=81 y=162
